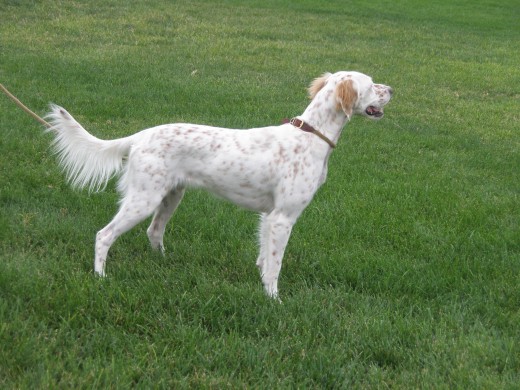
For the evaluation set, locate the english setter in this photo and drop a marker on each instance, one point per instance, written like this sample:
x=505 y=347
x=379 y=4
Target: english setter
x=272 y=170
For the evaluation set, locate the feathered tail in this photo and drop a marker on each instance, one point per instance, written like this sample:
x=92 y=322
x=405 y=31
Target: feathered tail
x=86 y=160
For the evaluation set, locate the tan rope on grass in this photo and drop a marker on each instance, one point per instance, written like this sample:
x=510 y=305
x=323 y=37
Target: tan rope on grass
x=24 y=107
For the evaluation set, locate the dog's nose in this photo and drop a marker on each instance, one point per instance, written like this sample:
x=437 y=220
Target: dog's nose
x=390 y=91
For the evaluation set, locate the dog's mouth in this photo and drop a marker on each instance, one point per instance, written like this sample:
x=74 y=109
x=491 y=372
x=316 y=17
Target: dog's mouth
x=375 y=112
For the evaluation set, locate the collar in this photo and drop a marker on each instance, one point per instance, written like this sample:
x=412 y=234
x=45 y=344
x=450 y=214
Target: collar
x=309 y=129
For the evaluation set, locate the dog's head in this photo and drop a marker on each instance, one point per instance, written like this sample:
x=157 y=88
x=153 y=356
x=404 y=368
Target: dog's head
x=353 y=93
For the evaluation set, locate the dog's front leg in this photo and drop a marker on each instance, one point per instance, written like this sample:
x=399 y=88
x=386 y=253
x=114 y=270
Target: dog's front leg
x=275 y=231
x=263 y=233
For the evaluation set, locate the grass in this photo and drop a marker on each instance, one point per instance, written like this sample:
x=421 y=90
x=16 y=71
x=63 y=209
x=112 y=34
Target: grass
x=403 y=272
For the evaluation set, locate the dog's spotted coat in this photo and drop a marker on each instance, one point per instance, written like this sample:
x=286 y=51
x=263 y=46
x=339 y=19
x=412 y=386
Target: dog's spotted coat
x=272 y=170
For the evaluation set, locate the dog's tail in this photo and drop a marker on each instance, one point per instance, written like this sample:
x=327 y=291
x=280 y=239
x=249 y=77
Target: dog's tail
x=86 y=160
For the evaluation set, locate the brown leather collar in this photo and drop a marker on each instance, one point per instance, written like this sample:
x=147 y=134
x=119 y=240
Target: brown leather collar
x=308 y=128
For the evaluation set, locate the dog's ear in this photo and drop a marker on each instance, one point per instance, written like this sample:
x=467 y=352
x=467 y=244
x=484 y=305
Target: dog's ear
x=318 y=84
x=346 y=95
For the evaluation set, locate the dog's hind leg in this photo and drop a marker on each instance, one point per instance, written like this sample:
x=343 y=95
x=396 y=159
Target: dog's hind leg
x=135 y=207
x=161 y=217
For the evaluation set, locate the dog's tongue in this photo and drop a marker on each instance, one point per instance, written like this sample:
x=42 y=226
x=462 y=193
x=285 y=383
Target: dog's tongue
x=371 y=110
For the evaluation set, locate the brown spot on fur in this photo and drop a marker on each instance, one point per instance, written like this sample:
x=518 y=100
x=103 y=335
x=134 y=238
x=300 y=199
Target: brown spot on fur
x=296 y=168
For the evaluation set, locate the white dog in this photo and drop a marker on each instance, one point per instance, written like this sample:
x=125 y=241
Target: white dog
x=272 y=170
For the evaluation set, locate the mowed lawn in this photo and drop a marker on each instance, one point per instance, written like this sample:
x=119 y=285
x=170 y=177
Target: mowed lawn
x=404 y=270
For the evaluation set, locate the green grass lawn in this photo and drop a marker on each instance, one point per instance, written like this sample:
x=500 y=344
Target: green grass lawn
x=404 y=270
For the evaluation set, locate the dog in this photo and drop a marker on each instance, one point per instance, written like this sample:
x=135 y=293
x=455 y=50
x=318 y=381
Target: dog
x=274 y=171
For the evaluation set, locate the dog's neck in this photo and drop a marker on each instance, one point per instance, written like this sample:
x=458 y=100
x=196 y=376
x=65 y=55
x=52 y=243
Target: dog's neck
x=325 y=117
